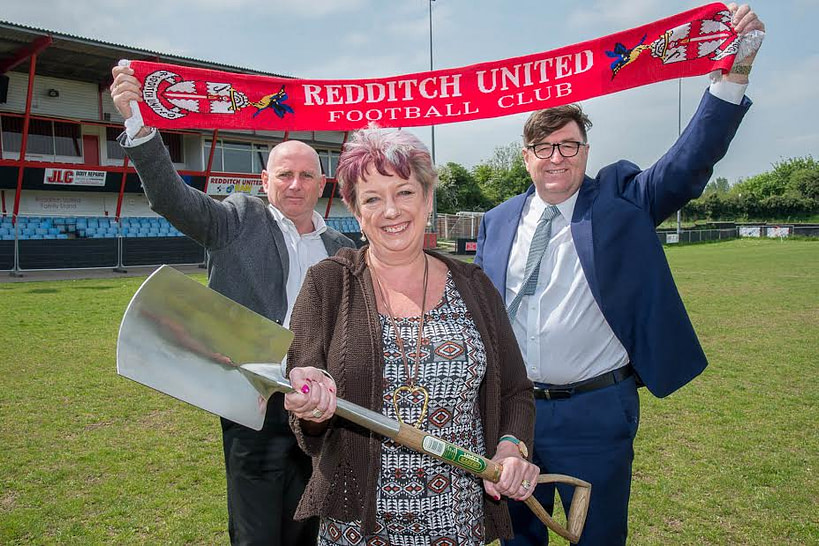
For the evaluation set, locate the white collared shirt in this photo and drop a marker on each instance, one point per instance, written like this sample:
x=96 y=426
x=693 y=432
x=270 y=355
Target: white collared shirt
x=560 y=329
x=303 y=251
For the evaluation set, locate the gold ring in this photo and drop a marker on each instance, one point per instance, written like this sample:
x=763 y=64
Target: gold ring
x=526 y=484
x=317 y=413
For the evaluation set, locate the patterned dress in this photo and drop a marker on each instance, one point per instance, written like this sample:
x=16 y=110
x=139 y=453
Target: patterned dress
x=420 y=500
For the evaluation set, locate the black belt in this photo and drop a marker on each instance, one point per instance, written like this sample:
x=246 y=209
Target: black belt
x=558 y=392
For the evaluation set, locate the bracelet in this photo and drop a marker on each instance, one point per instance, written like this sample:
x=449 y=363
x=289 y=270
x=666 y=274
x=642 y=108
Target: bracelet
x=524 y=451
x=743 y=69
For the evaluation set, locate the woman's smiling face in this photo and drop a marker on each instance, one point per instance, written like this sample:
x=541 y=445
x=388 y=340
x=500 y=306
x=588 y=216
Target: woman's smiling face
x=393 y=213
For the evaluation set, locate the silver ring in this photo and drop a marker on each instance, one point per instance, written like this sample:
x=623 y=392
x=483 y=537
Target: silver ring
x=526 y=484
x=317 y=413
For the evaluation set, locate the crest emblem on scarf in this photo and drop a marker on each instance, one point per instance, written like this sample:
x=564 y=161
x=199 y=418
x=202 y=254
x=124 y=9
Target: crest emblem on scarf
x=711 y=38
x=171 y=97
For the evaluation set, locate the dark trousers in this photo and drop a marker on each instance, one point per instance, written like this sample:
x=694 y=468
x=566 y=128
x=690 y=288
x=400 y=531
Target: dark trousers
x=588 y=436
x=266 y=476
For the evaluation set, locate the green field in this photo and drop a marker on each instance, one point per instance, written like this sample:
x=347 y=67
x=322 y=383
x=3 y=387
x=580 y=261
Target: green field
x=87 y=457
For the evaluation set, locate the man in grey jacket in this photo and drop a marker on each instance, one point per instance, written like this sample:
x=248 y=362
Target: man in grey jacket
x=258 y=256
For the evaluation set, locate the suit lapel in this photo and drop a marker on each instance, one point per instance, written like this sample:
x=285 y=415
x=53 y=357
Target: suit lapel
x=281 y=246
x=583 y=235
x=506 y=236
x=331 y=241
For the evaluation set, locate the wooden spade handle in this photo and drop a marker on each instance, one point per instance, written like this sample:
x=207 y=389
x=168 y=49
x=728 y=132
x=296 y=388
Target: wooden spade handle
x=576 y=518
x=482 y=467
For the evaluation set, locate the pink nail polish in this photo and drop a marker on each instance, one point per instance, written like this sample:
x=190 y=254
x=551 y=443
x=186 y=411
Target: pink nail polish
x=305 y=389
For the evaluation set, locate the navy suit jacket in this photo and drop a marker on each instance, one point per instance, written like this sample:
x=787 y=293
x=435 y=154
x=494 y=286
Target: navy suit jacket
x=613 y=227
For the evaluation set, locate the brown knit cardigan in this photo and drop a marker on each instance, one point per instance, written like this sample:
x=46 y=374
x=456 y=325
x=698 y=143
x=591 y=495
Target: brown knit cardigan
x=336 y=326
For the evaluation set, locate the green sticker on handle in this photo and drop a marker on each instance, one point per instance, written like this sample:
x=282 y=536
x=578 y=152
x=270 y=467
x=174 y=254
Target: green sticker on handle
x=454 y=454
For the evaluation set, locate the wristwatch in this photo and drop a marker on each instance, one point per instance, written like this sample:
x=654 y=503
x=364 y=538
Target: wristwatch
x=524 y=451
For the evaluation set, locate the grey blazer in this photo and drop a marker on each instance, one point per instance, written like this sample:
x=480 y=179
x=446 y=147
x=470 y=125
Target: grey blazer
x=248 y=260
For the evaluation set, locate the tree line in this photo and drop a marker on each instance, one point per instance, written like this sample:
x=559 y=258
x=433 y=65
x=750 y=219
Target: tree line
x=788 y=192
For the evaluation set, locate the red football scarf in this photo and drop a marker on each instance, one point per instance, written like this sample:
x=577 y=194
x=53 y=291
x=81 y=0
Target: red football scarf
x=688 y=44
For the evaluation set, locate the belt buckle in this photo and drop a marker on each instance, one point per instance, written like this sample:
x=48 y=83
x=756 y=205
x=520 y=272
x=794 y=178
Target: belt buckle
x=558 y=393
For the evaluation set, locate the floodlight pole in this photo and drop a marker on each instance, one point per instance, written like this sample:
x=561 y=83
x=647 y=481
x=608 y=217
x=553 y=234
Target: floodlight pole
x=679 y=133
x=432 y=130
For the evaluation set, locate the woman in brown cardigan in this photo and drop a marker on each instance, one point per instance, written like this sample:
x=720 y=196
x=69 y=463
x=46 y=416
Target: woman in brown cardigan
x=420 y=338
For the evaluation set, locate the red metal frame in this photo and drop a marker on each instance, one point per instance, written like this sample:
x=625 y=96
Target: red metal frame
x=24 y=143
x=122 y=187
x=28 y=50
x=209 y=167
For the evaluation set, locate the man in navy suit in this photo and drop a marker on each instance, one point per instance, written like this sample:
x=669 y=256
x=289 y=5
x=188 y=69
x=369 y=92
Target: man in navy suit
x=602 y=314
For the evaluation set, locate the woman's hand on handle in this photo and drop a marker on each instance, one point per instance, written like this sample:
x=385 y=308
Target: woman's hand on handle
x=314 y=397
x=518 y=478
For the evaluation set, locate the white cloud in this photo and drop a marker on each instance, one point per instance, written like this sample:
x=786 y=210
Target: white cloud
x=615 y=15
x=355 y=66
x=312 y=9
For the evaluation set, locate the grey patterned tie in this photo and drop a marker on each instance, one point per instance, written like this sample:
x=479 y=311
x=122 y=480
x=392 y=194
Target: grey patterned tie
x=540 y=241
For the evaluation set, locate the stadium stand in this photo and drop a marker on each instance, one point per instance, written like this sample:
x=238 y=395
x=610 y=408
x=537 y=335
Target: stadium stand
x=64 y=177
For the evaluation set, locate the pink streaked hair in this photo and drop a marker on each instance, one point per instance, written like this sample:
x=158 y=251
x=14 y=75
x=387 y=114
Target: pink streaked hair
x=391 y=152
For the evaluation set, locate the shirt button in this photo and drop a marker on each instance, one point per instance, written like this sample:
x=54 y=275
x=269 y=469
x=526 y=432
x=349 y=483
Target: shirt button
x=532 y=338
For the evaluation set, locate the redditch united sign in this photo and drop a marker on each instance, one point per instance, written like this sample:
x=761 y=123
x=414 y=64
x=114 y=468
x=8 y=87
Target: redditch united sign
x=225 y=185
x=688 y=44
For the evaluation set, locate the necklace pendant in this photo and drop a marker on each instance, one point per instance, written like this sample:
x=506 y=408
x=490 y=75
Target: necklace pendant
x=411 y=391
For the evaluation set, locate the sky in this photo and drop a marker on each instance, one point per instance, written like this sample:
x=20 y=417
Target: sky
x=376 y=38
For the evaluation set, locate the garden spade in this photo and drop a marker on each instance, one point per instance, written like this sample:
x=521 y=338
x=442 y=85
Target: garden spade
x=190 y=342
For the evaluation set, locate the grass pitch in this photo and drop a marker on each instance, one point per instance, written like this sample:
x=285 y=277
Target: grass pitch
x=87 y=457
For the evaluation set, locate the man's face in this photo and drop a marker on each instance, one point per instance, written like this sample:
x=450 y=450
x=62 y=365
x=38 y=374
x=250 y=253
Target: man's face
x=293 y=180
x=558 y=178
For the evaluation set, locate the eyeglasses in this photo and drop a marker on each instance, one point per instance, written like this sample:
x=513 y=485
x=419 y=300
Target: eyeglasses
x=545 y=150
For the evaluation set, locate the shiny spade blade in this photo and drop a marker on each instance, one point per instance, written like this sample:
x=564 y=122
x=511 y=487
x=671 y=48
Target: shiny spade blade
x=188 y=341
